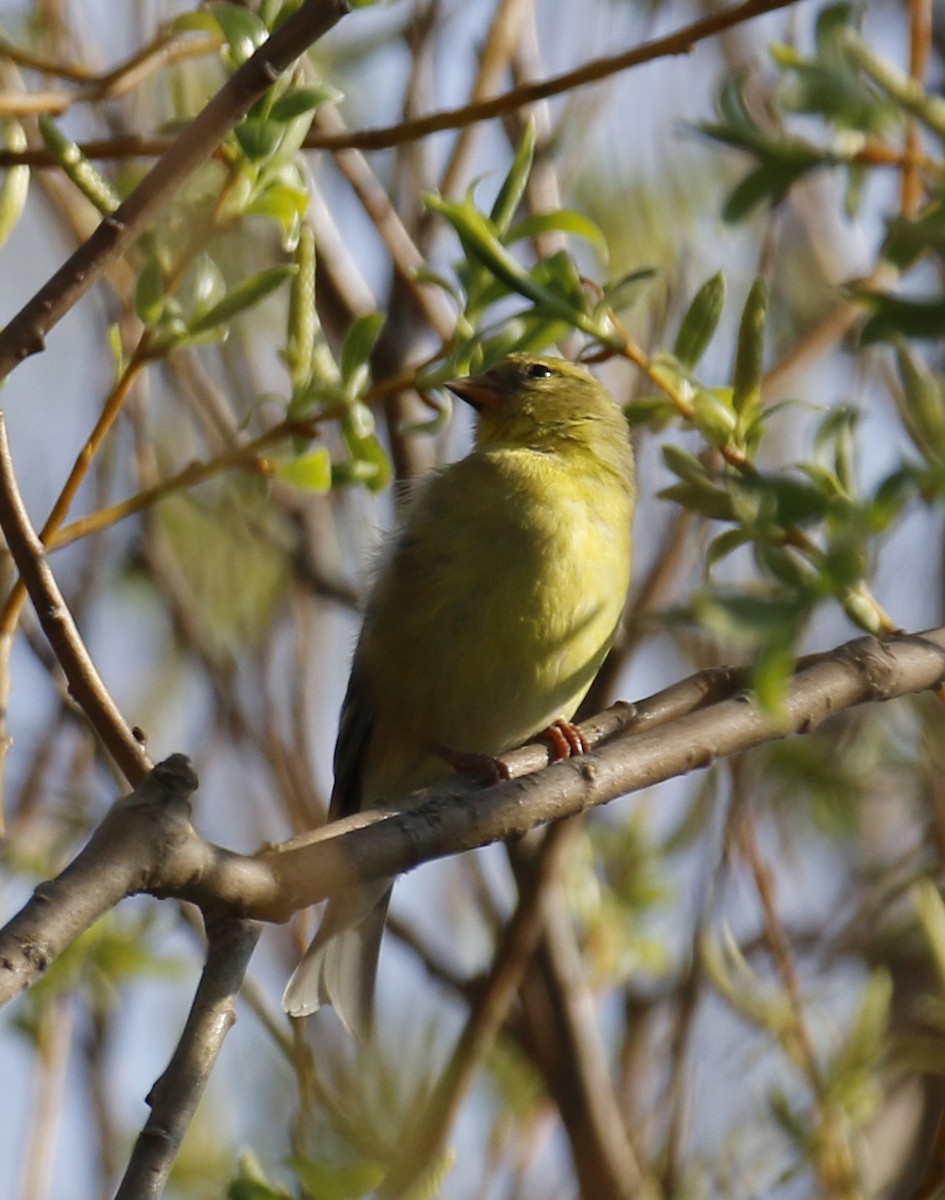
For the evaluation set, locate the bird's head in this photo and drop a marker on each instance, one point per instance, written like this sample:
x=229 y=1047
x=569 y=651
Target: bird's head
x=540 y=402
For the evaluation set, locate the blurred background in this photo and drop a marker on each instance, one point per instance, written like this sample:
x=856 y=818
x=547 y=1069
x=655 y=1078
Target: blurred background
x=755 y=951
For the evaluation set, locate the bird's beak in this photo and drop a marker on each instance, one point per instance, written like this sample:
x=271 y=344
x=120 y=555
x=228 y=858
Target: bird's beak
x=482 y=392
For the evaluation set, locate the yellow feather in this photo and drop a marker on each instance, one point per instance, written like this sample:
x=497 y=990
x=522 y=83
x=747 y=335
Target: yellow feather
x=490 y=617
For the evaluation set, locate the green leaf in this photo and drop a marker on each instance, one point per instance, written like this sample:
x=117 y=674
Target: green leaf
x=243 y=30
x=923 y=404
x=201 y=20
x=310 y=472
x=243 y=296
x=893 y=315
x=208 y=286
x=849 y=1076
x=531 y=331
x=683 y=463
x=931 y=912
x=723 y=545
x=16 y=180
x=258 y=137
x=655 y=409
x=563 y=221
x=798 y=502
x=558 y=276
x=750 y=621
x=252 y=1184
x=703 y=498
x=907 y=239
x=771 y=674
x=623 y=293
x=759 y=185
x=713 y=415
x=284 y=204
x=149 y=293
x=303 y=100
x=480 y=240
x=700 y=322
x=369 y=463
x=358 y=421
x=513 y=187
x=359 y=343
x=334 y=1181
x=746 y=381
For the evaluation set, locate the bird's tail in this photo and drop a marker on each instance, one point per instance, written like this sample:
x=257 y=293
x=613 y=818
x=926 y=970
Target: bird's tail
x=340 y=966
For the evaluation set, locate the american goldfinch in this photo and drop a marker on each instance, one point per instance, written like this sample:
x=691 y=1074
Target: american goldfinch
x=489 y=619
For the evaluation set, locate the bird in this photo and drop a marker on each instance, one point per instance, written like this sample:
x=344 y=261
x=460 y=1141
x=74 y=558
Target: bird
x=491 y=612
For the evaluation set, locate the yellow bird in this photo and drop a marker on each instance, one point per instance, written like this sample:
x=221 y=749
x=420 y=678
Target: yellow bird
x=490 y=616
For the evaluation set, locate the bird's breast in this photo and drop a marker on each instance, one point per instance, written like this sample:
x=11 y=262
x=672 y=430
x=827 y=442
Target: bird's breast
x=498 y=604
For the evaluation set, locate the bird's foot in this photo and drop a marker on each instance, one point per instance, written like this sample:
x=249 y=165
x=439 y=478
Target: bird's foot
x=483 y=767
x=565 y=740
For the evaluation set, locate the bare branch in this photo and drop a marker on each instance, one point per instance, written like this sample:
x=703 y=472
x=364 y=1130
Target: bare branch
x=85 y=683
x=175 y=1096
x=427 y=1135
x=382 y=138
x=146 y=844
x=655 y=749
x=114 y=864
x=25 y=333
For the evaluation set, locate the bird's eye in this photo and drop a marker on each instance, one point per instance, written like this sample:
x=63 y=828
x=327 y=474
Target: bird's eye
x=538 y=371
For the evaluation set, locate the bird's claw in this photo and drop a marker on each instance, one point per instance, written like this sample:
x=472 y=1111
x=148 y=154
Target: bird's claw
x=565 y=740
x=483 y=767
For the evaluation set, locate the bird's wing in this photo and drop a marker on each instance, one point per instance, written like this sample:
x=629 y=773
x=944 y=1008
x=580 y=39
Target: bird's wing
x=354 y=734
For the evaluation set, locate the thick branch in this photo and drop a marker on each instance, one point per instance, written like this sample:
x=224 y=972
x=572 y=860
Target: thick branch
x=867 y=669
x=113 y=865
x=145 y=845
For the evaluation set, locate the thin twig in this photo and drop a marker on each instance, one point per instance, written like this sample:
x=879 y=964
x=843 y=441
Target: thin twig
x=85 y=684
x=25 y=334
x=246 y=456
x=427 y=1136
x=920 y=41
x=680 y=42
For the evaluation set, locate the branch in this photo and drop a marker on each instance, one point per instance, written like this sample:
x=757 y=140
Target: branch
x=563 y=1038
x=423 y=1141
x=113 y=865
x=660 y=746
x=85 y=684
x=147 y=844
x=382 y=138
x=175 y=1096
x=25 y=333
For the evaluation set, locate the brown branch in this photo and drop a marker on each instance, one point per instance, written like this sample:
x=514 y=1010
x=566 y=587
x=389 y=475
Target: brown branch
x=85 y=684
x=383 y=138
x=566 y=1044
x=427 y=1135
x=113 y=865
x=660 y=745
x=166 y=49
x=25 y=333
x=920 y=41
x=174 y=1097
x=151 y=847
